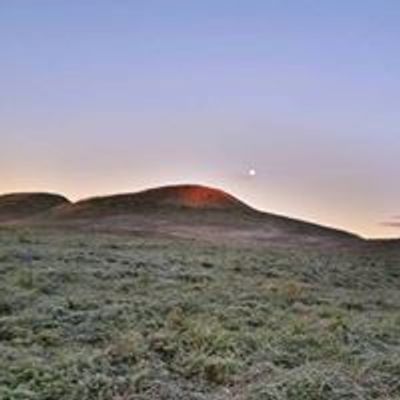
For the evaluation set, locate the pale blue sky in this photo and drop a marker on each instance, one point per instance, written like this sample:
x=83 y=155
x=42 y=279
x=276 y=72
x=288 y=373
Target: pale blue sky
x=108 y=96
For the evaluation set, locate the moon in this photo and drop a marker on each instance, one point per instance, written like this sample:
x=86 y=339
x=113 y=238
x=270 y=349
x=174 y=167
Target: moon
x=252 y=172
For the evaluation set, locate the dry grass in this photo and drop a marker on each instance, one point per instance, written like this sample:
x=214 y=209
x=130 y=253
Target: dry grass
x=100 y=317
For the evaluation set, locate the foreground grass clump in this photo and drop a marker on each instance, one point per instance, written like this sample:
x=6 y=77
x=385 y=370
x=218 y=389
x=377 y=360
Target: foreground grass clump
x=102 y=317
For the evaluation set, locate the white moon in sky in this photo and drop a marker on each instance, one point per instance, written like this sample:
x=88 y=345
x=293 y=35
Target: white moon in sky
x=252 y=172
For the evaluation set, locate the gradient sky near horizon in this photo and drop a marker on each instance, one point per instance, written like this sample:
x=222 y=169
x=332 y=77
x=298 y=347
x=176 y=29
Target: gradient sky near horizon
x=108 y=96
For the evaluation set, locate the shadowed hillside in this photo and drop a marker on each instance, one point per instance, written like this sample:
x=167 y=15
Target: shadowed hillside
x=19 y=206
x=190 y=211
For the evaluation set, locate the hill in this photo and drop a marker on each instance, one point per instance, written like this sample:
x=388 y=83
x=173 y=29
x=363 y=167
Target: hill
x=190 y=211
x=17 y=206
x=157 y=199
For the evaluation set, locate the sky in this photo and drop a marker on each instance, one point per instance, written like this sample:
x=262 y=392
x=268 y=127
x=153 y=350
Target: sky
x=99 y=97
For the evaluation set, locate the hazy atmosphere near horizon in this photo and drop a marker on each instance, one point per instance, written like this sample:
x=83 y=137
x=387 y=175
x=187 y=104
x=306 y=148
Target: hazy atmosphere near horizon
x=292 y=106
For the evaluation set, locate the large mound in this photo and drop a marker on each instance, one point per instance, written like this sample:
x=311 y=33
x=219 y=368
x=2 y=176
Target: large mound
x=191 y=211
x=158 y=199
x=18 y=206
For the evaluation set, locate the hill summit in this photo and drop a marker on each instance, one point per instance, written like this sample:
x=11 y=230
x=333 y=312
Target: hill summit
x=191 y=196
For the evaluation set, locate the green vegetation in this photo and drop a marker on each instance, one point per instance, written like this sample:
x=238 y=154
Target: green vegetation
x=96 y=316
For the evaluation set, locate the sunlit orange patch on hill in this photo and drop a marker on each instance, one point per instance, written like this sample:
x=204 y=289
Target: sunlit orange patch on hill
x=194 y=197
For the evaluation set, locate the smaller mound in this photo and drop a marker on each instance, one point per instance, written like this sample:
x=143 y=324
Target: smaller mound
x=158 y=199
x=16 y=206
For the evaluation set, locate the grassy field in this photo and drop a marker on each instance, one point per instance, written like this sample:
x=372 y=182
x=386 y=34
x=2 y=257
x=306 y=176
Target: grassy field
x=96 y=316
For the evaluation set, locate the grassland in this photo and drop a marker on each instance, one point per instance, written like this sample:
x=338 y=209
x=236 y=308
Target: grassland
x=108 y=317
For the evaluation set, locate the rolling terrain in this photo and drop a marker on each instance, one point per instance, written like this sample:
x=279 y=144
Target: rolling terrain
x=186 y=293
